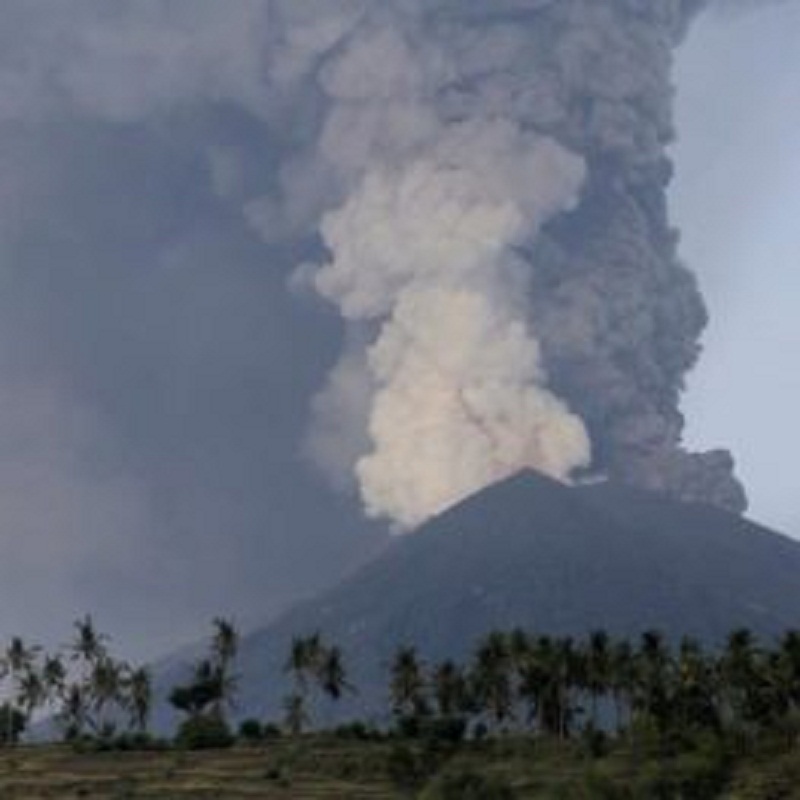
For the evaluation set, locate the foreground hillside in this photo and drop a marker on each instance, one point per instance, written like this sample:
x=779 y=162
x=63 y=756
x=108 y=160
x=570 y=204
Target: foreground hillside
x=533 y=553
x=329 y=769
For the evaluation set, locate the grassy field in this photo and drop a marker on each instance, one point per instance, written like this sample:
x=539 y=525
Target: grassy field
x=282 y=770
x=327 y=769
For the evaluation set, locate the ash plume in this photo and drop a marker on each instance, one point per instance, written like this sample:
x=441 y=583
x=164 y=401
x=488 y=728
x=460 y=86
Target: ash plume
x=478 y=190
x=424 y=248
x=501 y=237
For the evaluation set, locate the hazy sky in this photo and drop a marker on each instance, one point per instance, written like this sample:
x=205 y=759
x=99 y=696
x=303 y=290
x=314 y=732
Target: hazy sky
x=737 y=200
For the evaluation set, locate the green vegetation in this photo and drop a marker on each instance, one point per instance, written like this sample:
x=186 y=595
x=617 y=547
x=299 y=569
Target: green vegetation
x=324 y=767
x=527 y=716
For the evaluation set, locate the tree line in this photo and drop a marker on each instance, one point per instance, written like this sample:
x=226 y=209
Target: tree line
x=512 y=682
x=83 y=688
x=560 y=687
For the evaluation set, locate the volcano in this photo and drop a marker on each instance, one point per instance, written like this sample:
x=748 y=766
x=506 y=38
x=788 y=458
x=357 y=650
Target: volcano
x=551 y=558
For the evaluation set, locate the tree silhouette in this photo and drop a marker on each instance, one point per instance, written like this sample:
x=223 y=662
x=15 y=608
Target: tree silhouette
x=311 y=663
x=331 y=673
x=204 y=690
x=408 y=686
x=598 y=667
x=105 y=690
x=18 y=661
x=492 y=681
x=88 y=646
x=296 y=715
x=224 y=649
x=450 y=690
x=139 y=698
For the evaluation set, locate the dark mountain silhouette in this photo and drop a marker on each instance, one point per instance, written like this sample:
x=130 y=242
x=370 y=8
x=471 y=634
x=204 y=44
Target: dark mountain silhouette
x=535 y=553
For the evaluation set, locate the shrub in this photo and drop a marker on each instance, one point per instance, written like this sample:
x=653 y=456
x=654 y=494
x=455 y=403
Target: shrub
x=251 y=730
x=271 y=731
x=204 y=732
x=357 y=731
x=408 y=727
x=449 y=730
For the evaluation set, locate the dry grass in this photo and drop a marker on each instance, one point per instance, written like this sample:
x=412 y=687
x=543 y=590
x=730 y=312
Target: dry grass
x=281 y=770
x=319 y=768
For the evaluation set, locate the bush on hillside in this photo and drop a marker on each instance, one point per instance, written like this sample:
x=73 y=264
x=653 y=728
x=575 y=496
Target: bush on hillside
x=204 y=732
x=251 y=731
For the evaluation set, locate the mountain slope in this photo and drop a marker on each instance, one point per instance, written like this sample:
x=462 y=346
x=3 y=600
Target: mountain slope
x=532 y=552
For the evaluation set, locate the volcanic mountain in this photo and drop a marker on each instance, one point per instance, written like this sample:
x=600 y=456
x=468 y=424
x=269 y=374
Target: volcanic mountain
x=551 y=558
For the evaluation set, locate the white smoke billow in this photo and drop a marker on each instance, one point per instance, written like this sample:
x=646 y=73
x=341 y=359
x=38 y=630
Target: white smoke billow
x=424 y=248
x=462 y=403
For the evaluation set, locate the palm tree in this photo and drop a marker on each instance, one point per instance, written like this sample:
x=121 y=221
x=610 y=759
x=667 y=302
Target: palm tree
x=694 y=699
x=408 y=686
x=331 y=673
x=653 y=674
x=598 y=666
x=533 y=674
x=519 y=644
x=224 y=648
x=789 y=655
x=32 y=692
x=492 y=677
x=296 y=716
x=225 y=643
x=88 y=646
x=139 y=698
x=450 y=689
x=105 y=690
x=554 y=672
x=19 y=659
x=205 y=689
x=73 y=714
x=541 y=685
x=297 y=663
x=54 y=677
x=738 y=676
x=622 y=681
x=54 y=674
x=569 y=674
x=304 y=659
x=18 y=656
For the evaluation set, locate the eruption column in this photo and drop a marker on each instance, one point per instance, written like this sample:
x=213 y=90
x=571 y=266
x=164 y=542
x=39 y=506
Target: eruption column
x=498 y=244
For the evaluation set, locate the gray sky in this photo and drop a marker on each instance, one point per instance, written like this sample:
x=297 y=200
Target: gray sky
x=737 y=200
